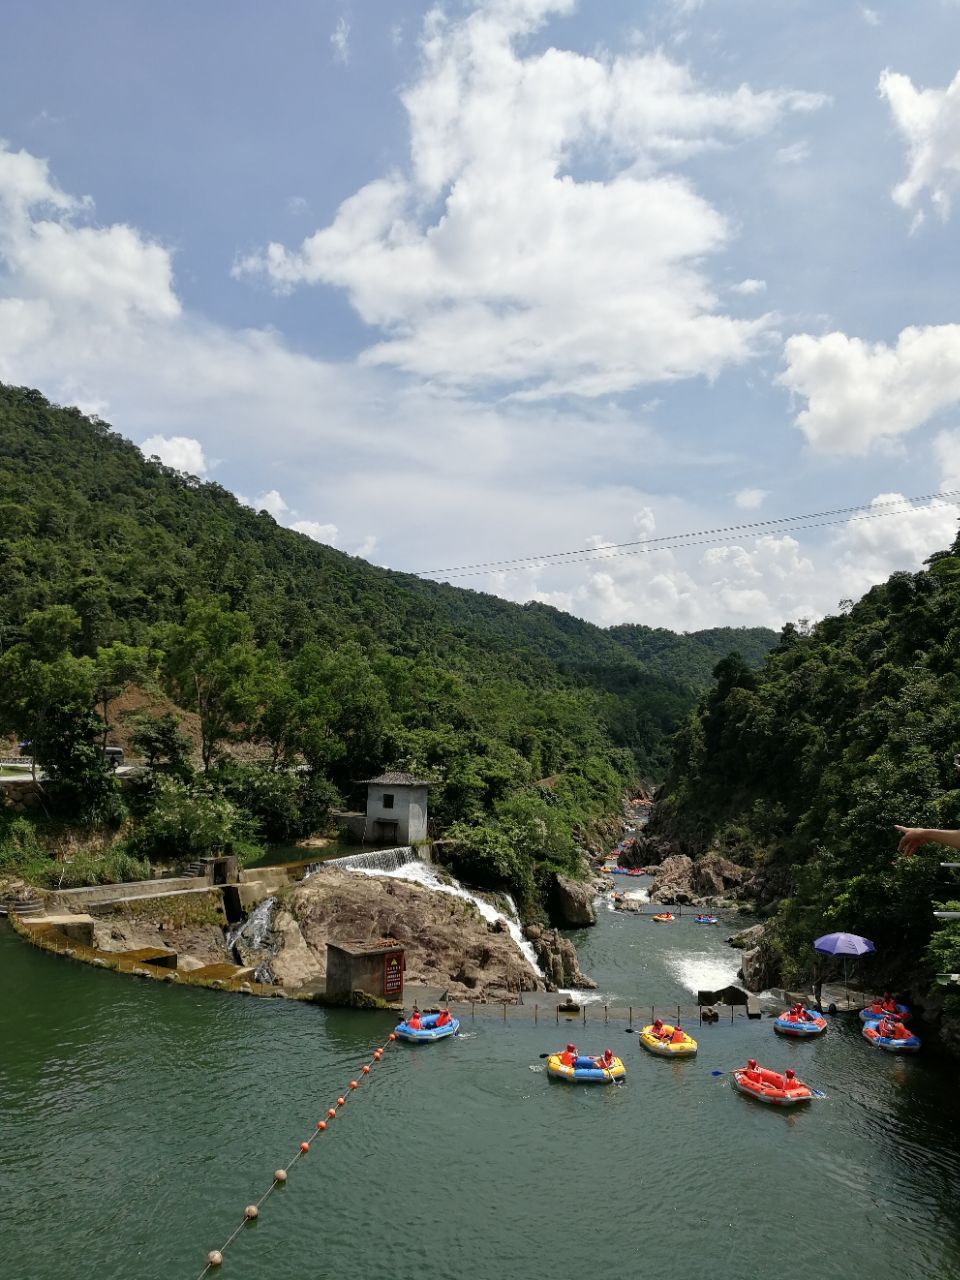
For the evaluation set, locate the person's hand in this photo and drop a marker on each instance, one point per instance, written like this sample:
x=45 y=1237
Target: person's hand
x=911 y=838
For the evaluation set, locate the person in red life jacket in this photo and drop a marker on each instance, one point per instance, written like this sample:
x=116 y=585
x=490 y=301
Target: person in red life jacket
x=790 y=1080
x=678 y=1036
x=875 y=1007
x=885 y=1028
x=569 y=1055
x=900 y=1032
x=887 y=1003
x=753 y=1071
x=658 y=1030
x=413 y=1022
x=605 y=1060
x=443 y=1018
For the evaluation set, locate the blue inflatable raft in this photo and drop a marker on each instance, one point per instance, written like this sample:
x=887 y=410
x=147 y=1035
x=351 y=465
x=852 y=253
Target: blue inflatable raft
x=811 y=1025
x=892 y=1044
x=427 y=1031
x=871 y=1014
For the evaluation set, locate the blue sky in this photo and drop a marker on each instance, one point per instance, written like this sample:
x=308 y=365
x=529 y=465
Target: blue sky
x=463 y=282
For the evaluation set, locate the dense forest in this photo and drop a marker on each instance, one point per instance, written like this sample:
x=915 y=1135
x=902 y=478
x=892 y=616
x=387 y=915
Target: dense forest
x=801 y=768
x=121 y=574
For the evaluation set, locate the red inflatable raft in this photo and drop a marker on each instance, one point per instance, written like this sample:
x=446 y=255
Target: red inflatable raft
x=773 y=1088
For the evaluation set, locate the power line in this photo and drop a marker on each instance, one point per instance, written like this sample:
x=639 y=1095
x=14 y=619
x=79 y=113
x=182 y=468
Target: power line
x=697 y=538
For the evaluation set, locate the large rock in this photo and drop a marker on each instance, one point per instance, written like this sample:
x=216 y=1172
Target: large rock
x=713 y=875
x=557 y=957
x=447 y=942
x=746 y=939
x=646 y=850
x=571 y=903
x=674 y=881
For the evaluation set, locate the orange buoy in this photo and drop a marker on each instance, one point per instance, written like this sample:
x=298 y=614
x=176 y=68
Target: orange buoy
x=214 y=1258
x=304 y=1147
x=280 y=1175
x=331 y=1112
x=353 y=1084
x=251 y=1212
x=341 y=1102
x=366 y=1071
x=391 y=1036
x=321 y=1125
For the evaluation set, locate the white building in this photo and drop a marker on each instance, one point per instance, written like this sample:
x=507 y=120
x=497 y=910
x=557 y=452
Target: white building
x=396 y=810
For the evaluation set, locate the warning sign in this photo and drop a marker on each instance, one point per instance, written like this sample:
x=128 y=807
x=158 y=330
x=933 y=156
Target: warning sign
x=393 y=974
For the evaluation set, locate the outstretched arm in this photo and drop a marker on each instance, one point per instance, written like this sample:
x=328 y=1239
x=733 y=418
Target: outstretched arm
x=911 y=838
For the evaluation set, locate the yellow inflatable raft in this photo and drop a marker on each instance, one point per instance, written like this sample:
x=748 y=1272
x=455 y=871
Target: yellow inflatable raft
x=585 y=1071
x=685 y=1048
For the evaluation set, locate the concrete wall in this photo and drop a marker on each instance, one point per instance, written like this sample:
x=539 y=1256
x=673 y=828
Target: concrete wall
x=352 y=969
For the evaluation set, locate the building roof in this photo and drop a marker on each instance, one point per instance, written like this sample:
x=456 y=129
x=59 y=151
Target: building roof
x=393 y=779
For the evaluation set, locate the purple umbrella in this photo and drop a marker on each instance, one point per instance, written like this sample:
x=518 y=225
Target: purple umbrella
x=843 y=944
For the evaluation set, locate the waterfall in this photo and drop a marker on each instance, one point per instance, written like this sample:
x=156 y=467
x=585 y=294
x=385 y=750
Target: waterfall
x=380 y=860
x=426 y=875
x=255 y=928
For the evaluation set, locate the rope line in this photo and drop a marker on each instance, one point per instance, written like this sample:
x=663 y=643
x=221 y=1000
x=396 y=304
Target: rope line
x=676 y=543
x=215 y=1256
x=903 y=507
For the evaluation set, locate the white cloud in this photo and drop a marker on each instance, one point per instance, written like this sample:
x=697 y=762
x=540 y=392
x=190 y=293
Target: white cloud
x=341 y=40
x=181 y=452
x=929 y=121
x=492 y=262
x=328 y=533
x=869 y=550
x=749 y=287
x=750 y=499
x=367 y=547
x=110 y=272
x=296 y=206
x=272 y=503
x=870 y=16
x=795 y=153
x=946 y=452
x=859 y=393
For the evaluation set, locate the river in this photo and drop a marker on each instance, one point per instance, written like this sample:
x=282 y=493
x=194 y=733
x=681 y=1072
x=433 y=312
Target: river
x=137 y=1120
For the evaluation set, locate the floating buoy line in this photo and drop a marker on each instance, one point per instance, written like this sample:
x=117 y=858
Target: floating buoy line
x=252 y=1211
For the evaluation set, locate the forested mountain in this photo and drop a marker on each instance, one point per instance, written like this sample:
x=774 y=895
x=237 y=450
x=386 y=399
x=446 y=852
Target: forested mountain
x=116 y=570
x=691 y=658
x=803 y=766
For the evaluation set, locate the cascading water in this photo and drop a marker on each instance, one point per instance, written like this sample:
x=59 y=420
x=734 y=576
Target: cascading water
x=423 y=874
x=254 y=931
x=379 y=860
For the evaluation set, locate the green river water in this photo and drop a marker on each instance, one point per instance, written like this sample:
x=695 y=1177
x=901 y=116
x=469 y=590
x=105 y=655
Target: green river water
x=136 y=1121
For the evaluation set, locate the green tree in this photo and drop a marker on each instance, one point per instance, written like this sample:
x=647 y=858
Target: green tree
x=210 y=661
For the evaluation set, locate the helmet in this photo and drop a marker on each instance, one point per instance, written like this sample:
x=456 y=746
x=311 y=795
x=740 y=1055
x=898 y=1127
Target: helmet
x=752 y=1064
x=658 y=1022
x=791 y=1074
x=571 y=1048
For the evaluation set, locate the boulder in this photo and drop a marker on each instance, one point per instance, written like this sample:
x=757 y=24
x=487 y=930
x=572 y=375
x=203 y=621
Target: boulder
x=747 y=938
x=571 y=903
x=674 y=881
x=646 y=850
x=714 y=875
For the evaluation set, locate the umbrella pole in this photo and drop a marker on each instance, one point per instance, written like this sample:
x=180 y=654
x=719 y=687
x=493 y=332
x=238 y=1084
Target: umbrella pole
x=845 y=991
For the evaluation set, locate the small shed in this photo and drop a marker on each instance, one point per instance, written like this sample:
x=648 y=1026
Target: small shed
x=396 y=809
